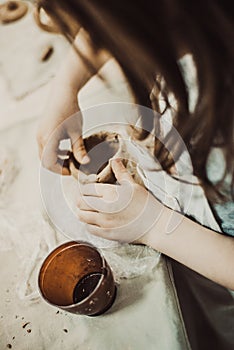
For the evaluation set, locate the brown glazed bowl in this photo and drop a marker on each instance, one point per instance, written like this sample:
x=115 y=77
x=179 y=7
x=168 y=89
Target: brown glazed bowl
x=75 y=277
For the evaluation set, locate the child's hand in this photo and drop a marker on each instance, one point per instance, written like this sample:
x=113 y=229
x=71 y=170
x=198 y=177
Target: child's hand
x=57 y=124
x=123 y=212
x=62 y=121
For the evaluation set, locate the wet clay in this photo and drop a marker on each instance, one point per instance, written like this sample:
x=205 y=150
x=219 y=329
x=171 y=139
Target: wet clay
x=100 y=147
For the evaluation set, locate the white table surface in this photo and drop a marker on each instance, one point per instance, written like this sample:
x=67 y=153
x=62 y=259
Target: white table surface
x=138 y=319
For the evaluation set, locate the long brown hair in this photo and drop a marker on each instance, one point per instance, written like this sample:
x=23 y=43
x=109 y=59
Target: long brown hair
x=145 y=36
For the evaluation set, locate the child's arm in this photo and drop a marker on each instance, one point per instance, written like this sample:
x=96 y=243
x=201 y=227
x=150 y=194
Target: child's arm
x=128 y=212
x=63 y=103
x=201 y=249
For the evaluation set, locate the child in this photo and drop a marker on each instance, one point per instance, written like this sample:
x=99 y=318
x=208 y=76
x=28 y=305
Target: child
x=147 y=38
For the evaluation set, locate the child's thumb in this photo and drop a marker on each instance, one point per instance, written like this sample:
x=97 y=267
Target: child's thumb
x=79 y=150
x=120 y=172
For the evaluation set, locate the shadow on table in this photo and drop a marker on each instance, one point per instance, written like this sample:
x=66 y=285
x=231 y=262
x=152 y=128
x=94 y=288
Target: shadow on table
x=129 y=292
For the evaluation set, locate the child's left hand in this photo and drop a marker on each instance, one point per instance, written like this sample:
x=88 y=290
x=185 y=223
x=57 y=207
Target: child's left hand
x=124 y=212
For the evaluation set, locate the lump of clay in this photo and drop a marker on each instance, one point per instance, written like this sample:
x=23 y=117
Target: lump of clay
x=11 y=11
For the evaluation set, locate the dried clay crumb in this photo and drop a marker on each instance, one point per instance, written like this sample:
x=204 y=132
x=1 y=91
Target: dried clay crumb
x=47 y=53
x=25 y=325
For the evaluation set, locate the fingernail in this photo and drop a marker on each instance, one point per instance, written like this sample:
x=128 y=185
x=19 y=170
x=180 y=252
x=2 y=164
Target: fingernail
x=85 y=160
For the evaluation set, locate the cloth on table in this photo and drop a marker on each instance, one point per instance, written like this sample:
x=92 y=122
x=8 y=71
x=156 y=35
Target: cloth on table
x=21 y=55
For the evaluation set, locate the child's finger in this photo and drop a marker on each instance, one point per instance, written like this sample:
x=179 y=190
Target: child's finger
x=94 y=189
x=83 y=205
x=121 y=173
x=78 y=148
x=89 y=217
x=74 y=171
x=98 y=231
x=98 y=204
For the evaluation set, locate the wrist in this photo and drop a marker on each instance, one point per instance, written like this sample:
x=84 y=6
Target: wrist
x=157 y=231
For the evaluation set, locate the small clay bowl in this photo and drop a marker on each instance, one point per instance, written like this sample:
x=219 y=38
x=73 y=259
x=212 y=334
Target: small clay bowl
x=101 y=147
